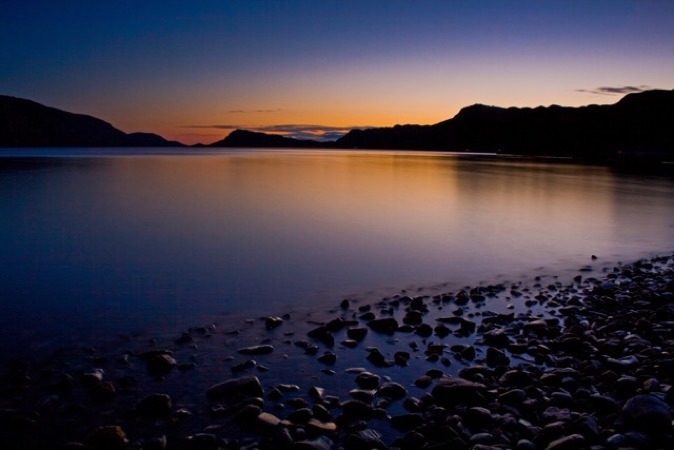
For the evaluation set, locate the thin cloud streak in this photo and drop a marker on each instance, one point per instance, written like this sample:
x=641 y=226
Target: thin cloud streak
x=295 y=131
x=616 y=90
x=254 y=111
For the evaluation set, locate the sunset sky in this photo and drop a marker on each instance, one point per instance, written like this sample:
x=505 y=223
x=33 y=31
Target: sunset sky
x=193 y=71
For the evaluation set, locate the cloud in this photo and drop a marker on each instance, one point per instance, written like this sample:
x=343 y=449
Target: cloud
x=615 y=90
x=295 y=131
x=249 y=111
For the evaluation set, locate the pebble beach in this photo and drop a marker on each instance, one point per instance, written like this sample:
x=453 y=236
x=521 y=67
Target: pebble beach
x=540 y=364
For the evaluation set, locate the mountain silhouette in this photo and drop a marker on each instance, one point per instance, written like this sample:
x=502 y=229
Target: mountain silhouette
x=639 y=126
x=25 y=123
x=245 y=138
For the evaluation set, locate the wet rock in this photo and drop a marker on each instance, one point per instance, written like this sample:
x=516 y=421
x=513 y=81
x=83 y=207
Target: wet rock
x=367 y=380
x=450 y=391
x=357 y=334
x=424 y=330
x=496 y=358
x=328 y=358
x=378 y=359
x=387 y=325
x=248 y=386
x=158 y=364
x=367 y=439
x=356 y=409
x=315 y=425
x=648 y=413
x=300 y=416
x=571 y=442
x=394 y=391
x=273 y=322
x=267 y=420
x=256 y=350
x=478 y=418
x=407 y=422
x=423 y=381
x=323 y=335
x=401 y=358
x=92 y=378
x=109 y=437
x=319 y=443
x=246 y=414
x=154 y=405
x=496 y=338
x=158 y=443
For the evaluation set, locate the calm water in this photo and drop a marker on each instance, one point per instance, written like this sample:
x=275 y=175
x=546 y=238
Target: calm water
x=111 y=243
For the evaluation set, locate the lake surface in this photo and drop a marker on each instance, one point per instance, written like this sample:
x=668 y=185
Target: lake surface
x=96 y=243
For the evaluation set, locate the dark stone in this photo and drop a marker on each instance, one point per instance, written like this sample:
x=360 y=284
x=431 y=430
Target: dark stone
x=648 y=413
x=272 y=322
x=394 y=391
x=378 y=359
x=109 y=437
x=450 y=391
x=356 y=409
x=571 y=442
x=407 y=422
x=496 y=358
x=256 y=350
x=328 y=358
x=386 y=325
x=248 y=386
x=357 y=334
x=367 y=439
x=367 y=380
x=154 y=405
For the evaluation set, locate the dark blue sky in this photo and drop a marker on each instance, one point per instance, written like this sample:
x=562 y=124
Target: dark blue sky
x=194 y=70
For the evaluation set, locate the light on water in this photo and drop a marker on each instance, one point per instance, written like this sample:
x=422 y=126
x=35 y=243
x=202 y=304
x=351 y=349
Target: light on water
x=112 y=242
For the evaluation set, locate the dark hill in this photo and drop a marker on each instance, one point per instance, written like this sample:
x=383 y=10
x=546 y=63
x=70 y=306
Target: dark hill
x=244 y=138
x=640 y=124
x=24 y=123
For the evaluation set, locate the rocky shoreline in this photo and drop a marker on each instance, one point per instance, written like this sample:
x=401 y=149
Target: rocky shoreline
x=544 y=365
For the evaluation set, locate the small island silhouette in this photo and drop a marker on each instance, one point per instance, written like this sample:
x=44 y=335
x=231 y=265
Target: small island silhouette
x=639 y=127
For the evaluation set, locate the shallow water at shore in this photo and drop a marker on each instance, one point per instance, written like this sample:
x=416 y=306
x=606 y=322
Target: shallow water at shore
x=118 y=242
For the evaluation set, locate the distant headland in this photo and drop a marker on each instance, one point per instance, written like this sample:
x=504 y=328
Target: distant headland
x=639 y=127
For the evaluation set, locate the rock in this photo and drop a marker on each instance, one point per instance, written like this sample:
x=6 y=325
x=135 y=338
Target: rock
x=496 y=338
x=367 y=439
x=407 y=422
x=319 y=443
x=386 y=325
x=357 y=334
x=109 y=437
x=158 y=443
x=155 y=405
x=323 y=335
x=572 y=442
x=160 y=363
x=91 y=379
x=248 y=386
x=648 y=413
x=300 y=416
x=272 y=322
x=267 y=420
x=423 y=381
x=450 y=391
x=317 y=426
x=367 y=380
x=256 y=350
x=378 y=359
x=247 y=414
x=394 y=391
x=328 y=358
x=356 y=409
x=496 y=358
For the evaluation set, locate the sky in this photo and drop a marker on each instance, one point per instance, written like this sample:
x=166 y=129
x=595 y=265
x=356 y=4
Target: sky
x=194 y=71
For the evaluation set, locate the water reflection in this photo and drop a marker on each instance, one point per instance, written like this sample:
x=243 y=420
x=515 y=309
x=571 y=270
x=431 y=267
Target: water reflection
x=115 y=242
